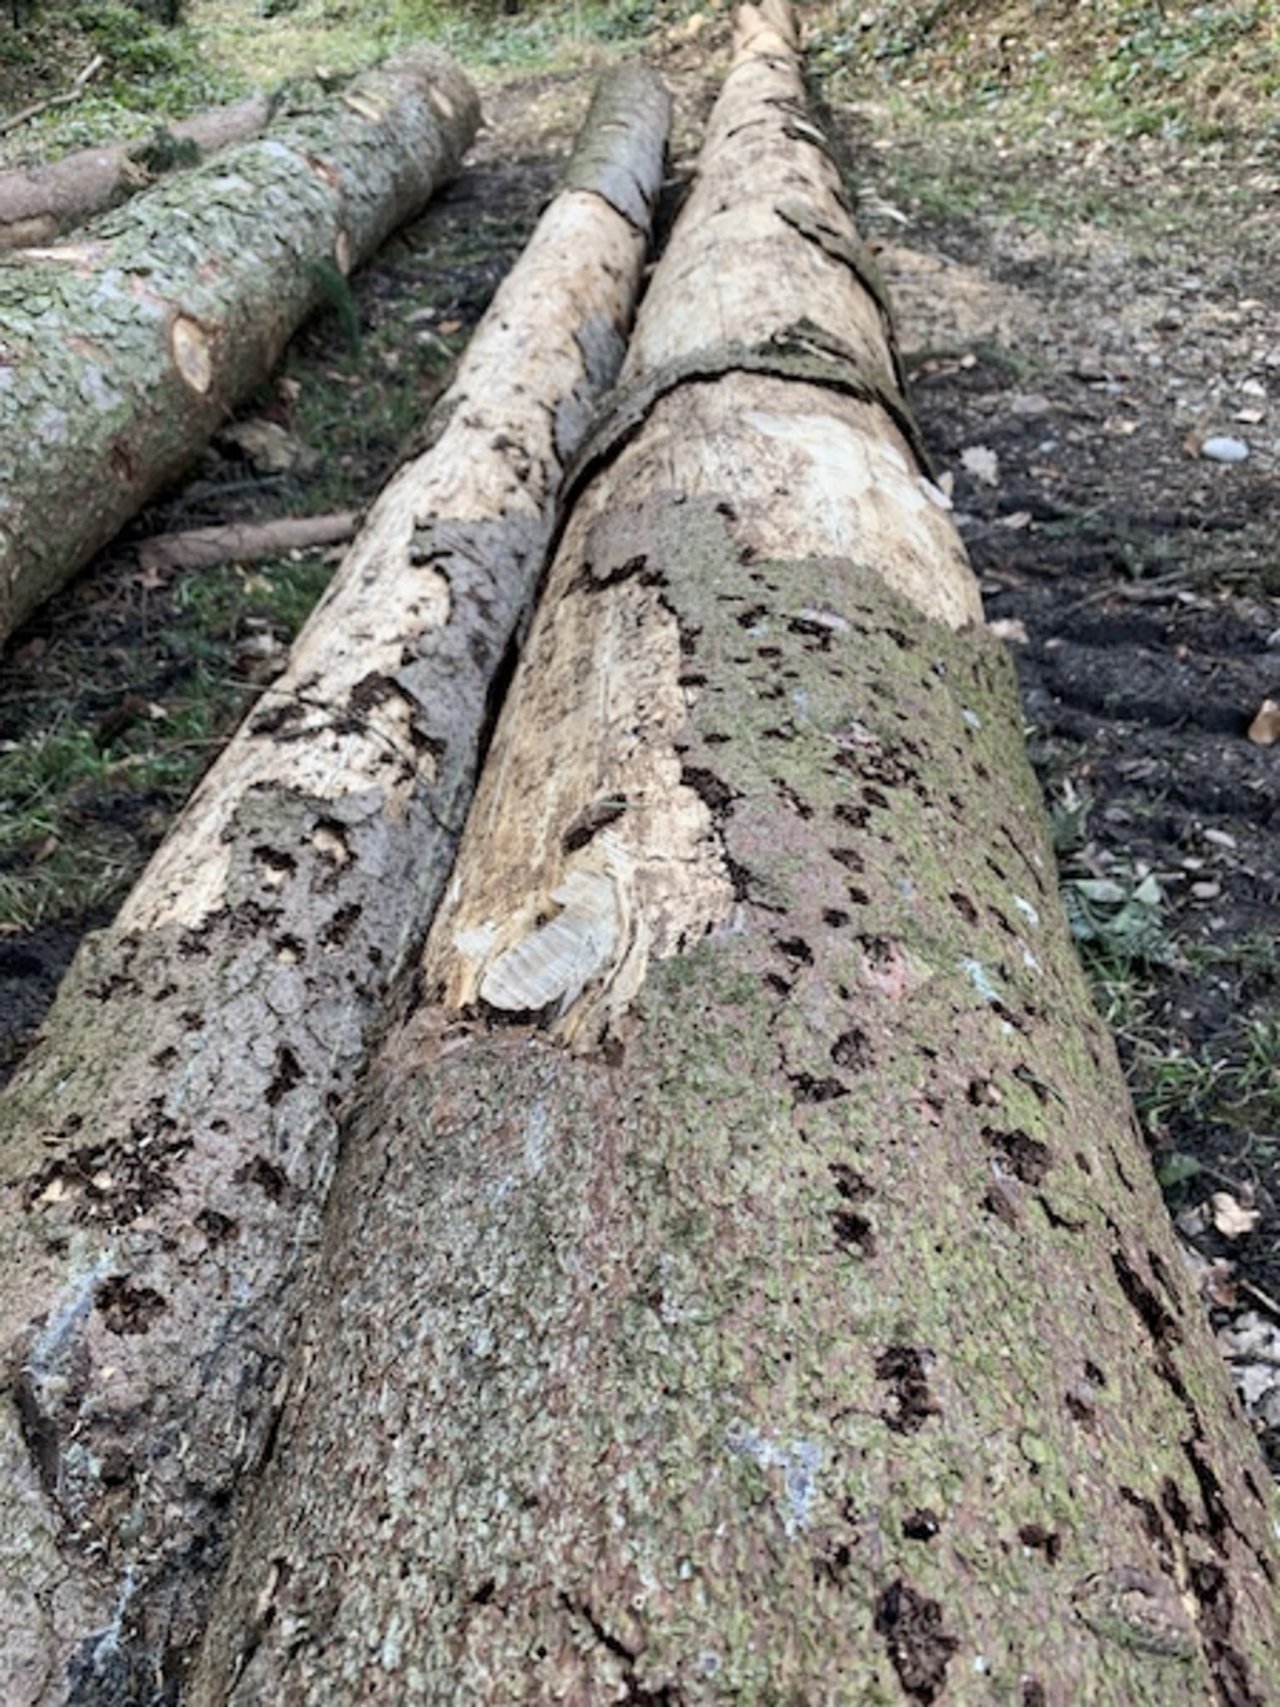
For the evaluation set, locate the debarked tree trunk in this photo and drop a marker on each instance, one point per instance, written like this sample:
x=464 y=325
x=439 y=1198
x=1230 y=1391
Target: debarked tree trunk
x=39 y=202
x=121 y=353
x=170 y=1143
x=745 y=1280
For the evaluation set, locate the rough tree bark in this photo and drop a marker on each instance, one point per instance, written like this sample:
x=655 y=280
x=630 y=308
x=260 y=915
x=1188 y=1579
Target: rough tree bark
x=745 y=1281
x=170 y=1143
x=121 y=353
x=39 y=202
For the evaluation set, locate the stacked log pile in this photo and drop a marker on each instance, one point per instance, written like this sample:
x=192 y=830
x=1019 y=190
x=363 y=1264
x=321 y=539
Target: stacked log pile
x=745 y=1281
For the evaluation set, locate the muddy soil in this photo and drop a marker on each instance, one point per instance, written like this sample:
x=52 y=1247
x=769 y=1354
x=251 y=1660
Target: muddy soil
x=1067 y=378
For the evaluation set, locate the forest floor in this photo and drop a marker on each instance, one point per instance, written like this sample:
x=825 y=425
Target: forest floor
x=1083 y=244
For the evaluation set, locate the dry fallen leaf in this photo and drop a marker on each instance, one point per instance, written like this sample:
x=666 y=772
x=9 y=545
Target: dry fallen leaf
x=268 y=447
x=982 y=462
x=1213 y=1277
x=1230 y=1216
x=1264 y=731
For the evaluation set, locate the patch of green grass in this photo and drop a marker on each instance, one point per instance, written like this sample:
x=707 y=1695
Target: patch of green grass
x=47 y=865
x=1234 y=1088
x=81 y=803
x=224 y=47
x=218 y=607
x=273 y=39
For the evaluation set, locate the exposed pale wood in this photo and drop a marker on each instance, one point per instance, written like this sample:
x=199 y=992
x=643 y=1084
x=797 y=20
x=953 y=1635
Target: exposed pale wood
x=123 y=352
x=733 y=269
x=39 y=202
x=810 y=1330
x=171 y=1142
x=765 y=272
x=242 y=542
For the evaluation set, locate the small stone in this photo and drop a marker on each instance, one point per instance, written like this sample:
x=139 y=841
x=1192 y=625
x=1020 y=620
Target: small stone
x=1222 y=449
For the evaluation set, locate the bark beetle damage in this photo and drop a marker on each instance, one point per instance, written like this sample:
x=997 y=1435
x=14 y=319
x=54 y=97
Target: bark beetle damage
x=916 y=1642
x=110 y=1185
x=852 y=1049
x=1207 y=1582
x=589 y=823
x=1025 y=1157
x=638 y=1694
x=922 y=1524
x=1041 y=1540
x=125 y=1308
x=272 y=1181
x=852 y=1229
x=904 y=1370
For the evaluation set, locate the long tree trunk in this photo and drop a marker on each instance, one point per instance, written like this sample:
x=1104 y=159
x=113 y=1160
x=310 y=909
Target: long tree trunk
x=171 y=1141
x=39 y=202
x=121 y=353
x=745 y=1281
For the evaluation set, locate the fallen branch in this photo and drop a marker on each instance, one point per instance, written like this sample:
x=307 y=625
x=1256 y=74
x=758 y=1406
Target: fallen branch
x=72 y=94
x=242 y=542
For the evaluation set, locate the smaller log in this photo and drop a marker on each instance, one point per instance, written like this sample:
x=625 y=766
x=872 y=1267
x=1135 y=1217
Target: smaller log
x=38 y=203
x=242 y=542
x=124 y=352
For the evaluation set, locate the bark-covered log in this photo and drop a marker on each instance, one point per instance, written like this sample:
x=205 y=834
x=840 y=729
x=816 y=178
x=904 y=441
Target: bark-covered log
x=170 y=1143
x=745 y=1281
x=121 y=353
x=39 y=202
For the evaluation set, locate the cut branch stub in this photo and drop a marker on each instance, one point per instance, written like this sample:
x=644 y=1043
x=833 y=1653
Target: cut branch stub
x=171 y=1141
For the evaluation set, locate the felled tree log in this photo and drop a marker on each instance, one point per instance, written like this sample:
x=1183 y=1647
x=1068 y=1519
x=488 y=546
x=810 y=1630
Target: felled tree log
x=39 y=202
x=123 y=352
x=170 y=1143
x=745 y=1281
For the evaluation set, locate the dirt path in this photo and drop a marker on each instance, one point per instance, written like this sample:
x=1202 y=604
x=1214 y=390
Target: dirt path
x=1070 y=359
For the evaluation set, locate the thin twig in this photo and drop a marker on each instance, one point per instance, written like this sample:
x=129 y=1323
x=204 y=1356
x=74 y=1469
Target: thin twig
x=73 y=94
x=1160 y=586
x=1260 y=1297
